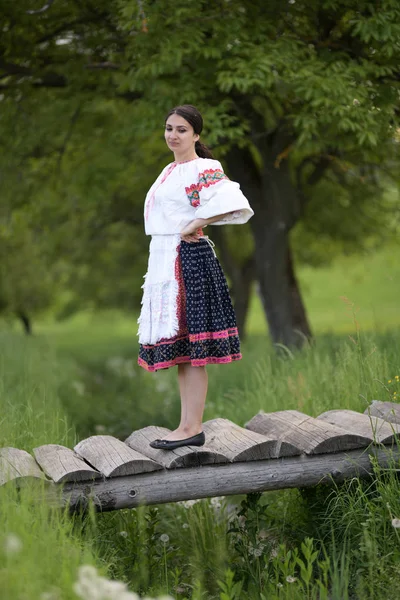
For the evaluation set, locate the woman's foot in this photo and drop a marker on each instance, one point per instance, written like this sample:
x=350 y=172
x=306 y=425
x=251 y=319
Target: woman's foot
x=195 y=440
x=182 y=433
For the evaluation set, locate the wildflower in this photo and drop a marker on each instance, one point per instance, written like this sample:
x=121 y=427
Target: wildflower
x=397 y=377
x=389 y=381
x=123 y=534
x=256 y=551
x=185 y=526
x=263 y=534
x=188 y=503
x=164 y=537
x=274 y=552
x=12 y=544
x=216 y=502
x=356 y=102
x=396 y=523
x=217 y=499
x=91 y=586
x=291 y=579
x=279 y=585
x=242 y=521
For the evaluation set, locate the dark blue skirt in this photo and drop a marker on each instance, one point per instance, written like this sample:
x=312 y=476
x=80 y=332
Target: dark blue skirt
x=207 y=325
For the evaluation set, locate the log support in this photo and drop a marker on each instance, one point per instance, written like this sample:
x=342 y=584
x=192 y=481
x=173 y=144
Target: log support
x=222 y=480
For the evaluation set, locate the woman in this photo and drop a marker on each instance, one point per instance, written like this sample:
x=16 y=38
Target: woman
x=187 y=317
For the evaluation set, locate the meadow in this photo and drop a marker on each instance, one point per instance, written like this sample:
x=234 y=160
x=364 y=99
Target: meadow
x=79 y=377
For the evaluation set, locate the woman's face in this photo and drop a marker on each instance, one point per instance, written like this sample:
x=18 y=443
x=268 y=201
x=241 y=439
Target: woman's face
x=179 y=134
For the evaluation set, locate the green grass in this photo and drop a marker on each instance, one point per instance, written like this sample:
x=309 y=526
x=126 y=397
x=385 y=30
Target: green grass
x=79 y=377
x=371 y=283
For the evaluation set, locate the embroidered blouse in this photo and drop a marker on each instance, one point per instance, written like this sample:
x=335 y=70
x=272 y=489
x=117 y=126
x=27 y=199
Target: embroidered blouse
x=195 y=189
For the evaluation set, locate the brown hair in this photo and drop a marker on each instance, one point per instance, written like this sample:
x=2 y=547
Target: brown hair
x=192 y=116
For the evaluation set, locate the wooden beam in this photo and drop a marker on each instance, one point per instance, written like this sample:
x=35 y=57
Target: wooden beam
x=222 y=480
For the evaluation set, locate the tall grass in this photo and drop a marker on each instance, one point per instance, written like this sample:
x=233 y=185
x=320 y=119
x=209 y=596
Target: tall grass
x=334 y=543
x=39 y=551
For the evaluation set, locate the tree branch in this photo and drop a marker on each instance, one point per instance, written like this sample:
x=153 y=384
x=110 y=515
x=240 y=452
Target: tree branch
x=40 y=10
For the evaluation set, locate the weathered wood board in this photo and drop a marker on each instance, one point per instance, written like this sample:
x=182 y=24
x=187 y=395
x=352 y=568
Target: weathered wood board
x=113 y=458
x=187 y=456
x=376 y=430
x=62 y=464
x=16 y=465
x=273 y=451
x=389 y=411
x=305 y=433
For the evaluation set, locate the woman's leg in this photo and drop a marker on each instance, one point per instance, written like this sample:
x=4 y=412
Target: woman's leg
x=193 y=383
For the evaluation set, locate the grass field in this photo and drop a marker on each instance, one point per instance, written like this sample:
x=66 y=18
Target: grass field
x=79 y=378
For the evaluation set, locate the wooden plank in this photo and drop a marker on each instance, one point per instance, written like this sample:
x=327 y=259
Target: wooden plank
x=388 y=411
x=16 y=465
x=305 y=433
x=112 y=457
x=187 y=456
x=376 y=430
x=62 y=464
x=227 y=479
x=239 y=444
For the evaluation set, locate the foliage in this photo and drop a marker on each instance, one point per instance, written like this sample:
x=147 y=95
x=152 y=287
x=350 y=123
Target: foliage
x=84 y=88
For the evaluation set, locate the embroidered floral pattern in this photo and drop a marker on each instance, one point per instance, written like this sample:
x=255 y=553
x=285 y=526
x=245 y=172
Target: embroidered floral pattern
x=206 y=178
x=193 y=194
x=210 y=176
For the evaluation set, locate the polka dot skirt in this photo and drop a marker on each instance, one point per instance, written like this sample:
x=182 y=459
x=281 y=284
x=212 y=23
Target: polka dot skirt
x=207 y=325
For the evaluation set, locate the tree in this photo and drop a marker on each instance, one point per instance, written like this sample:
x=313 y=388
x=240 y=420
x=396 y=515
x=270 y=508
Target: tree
x=301 y=96
x=298 y=92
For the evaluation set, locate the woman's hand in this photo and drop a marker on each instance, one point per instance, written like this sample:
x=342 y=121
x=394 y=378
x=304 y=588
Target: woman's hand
x=189 y=233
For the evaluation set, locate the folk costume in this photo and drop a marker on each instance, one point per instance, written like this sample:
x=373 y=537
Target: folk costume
x=187 y=314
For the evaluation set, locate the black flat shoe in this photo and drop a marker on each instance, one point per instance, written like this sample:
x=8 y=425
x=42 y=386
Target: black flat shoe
x=195 y=440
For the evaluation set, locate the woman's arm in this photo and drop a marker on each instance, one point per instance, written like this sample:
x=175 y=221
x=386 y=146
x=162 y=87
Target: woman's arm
x=188 y=234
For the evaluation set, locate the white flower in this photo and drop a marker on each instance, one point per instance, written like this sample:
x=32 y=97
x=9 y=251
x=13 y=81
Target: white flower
x=91 y=586
x=216 y=502
x=12 y=544
x=185 y=526
x=164 y=537
x=291 y=579
x=242 y=521
x=188 y=503
x=396 y=523
x=123 y=534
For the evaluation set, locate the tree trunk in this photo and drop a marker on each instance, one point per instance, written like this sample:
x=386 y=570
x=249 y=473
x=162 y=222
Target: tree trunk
x=276 y=206
x=300 y=320
x=26 y=322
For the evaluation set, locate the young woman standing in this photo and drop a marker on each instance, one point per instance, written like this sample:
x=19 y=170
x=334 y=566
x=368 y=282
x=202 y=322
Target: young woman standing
x=187 y=318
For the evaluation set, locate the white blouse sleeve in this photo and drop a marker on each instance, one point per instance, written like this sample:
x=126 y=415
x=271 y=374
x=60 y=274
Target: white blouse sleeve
x=214 y=194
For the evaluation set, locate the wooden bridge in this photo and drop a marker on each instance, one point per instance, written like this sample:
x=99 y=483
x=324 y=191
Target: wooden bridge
x=273 y=451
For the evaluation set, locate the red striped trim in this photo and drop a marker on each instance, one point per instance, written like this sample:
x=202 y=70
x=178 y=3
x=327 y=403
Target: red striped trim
x=200 y=362
x=213 y=335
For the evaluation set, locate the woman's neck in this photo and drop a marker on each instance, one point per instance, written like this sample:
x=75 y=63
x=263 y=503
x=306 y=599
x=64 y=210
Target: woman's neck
x=185 y=157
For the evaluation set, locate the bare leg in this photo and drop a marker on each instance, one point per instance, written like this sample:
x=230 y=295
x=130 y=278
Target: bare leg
x=193 y=383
